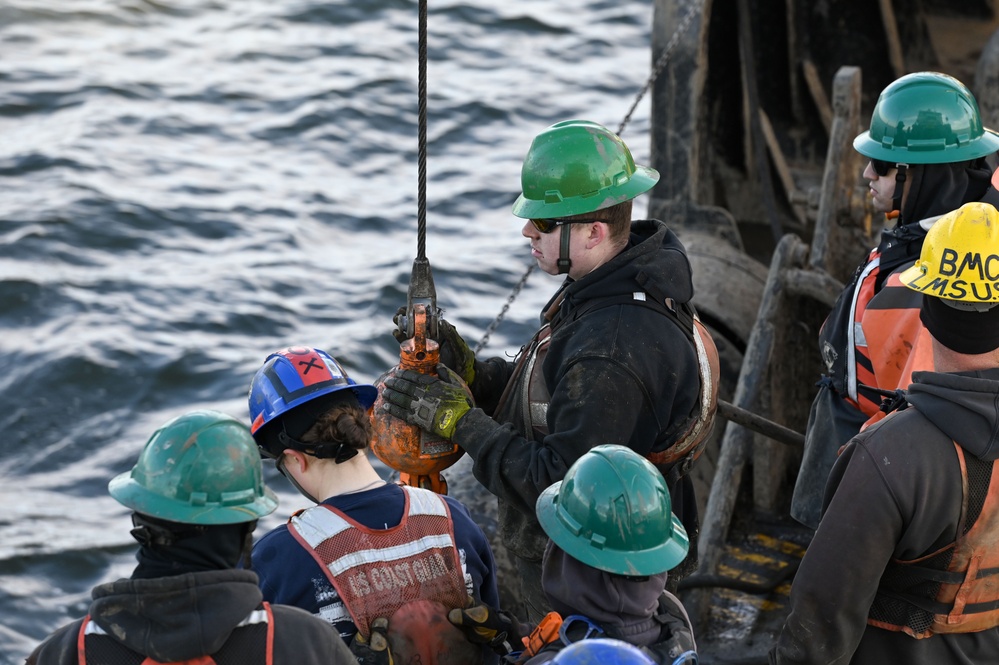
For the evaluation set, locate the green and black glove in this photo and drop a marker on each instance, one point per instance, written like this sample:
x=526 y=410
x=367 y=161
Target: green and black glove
x=455 y=352
x=375 y=650
x=432 y=403
x=482 y=624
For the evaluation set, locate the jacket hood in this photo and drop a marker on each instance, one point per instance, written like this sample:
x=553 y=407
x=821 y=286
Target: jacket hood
x=622 y=606
x=936 y=189
x=177 y=618
x=962 y=405
x=653 y=260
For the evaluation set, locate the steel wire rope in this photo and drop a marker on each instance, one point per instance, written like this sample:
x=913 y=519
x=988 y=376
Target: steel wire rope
x=657 y=71
x=421 y=192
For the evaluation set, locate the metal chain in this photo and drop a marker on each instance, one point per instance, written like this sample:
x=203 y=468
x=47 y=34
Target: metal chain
x=661 y=62
x=656 y=72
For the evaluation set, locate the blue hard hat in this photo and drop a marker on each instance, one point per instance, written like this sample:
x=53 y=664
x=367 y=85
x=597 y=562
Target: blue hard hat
x=295 y=376
x=602 y=651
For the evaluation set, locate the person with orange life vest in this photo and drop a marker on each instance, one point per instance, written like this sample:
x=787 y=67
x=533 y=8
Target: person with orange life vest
x=620 y=357
x=613 y=538
x=196 y=493
x=368 y=549
x=904 y=567
x=927 y=153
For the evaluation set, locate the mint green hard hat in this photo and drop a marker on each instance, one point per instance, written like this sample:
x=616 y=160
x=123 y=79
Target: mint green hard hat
x=202 y=467
x=613 y=512
x=926 y=118
x=578 y=166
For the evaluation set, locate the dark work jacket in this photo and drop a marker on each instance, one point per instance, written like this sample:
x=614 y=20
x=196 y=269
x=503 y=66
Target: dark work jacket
x=635 y=610
x=624 y=374
x=178 y=618
x=894 y=493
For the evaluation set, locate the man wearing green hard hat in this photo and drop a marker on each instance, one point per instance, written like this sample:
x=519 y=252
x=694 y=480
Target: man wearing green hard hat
x=613 y=539
x=620 y=357
x=196 y=493
x=927 y=155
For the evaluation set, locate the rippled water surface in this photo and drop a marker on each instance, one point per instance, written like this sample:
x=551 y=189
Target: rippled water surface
x=186 y=186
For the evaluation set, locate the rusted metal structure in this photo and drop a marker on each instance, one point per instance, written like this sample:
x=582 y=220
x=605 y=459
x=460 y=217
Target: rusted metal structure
x=753 y=121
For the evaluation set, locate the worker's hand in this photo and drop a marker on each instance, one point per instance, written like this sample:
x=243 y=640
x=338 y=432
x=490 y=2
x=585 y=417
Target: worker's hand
x=454 y=350
x=374 y=650
x=482 y=624
x=401 y=321
x=432 y=403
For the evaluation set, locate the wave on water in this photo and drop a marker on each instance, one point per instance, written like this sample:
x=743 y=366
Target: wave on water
x=189 y=185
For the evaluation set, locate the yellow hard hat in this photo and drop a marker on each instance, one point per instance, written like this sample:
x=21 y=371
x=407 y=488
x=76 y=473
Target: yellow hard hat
x=959 y=261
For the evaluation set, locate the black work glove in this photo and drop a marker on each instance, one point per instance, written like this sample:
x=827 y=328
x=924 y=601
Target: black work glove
x=374 y=650
x=454 y=350
x=434 y=404
x=482 y=624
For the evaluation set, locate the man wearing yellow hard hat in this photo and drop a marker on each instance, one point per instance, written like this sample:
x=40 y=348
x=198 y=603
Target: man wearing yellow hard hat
x=904 y=567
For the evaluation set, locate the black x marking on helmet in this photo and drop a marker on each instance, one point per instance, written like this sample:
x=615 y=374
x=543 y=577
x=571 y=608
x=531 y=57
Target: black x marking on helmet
x=309 y=365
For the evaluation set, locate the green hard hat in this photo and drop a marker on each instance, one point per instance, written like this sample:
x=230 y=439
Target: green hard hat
x=199 y=468
x=926 y=118
x=613 y=512
x=575 y=167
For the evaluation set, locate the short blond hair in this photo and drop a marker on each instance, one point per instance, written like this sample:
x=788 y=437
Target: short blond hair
x=617 y=218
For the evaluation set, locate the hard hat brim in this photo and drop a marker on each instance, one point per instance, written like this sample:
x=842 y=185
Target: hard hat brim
x=642 y=180
x=911 y=274
x=632 y=563
x=126 y=491
x=987 y=144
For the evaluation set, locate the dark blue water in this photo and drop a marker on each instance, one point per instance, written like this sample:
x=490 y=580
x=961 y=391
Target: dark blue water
x=187 y=185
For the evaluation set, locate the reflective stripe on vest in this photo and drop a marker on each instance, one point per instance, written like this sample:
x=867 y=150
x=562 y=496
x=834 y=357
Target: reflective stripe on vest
x=858 y=362
x=377 y=571
x=248 y=643
x=967 y=600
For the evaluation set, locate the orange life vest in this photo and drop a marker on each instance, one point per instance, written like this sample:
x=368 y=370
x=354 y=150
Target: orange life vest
x=964 y=574
x=251 y=642
x=377 y=571
x=897 y=342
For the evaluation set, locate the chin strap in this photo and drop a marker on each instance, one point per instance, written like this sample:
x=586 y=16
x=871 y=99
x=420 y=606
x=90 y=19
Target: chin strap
x=564 y=262
x=896 y=200
x=291 y=479
x=337 y=451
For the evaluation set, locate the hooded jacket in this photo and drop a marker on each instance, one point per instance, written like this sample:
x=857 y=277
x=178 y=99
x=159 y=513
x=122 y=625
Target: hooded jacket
x=171 y=619
x=621 y=374
x=895 y=494
x=872 y=338
x=632 y=609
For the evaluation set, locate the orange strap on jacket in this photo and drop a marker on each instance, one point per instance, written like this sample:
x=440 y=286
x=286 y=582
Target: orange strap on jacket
x=545 y=632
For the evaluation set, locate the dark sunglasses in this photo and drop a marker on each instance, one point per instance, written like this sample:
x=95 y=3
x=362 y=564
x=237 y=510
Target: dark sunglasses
x=549 y=225
x=882 y=167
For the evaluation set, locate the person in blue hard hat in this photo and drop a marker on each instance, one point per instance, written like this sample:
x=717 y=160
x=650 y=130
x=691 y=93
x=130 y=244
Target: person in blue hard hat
x=196 y=493
x=602 y=651
x=368 y=549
